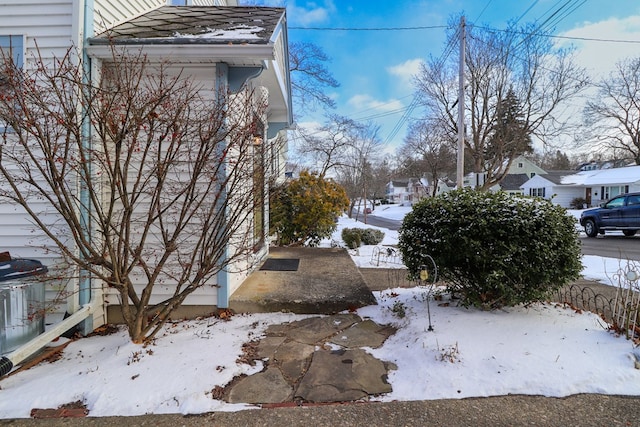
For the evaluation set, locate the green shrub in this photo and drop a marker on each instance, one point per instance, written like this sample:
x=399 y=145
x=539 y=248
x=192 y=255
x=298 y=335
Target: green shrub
x=351 y=237
x=303 y=211
x=578 y=203
x=371 y=236
x=492 y=249
x=354 y=237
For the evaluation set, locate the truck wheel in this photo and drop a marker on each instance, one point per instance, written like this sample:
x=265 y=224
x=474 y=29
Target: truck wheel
x=590 y=228
x=629 y=233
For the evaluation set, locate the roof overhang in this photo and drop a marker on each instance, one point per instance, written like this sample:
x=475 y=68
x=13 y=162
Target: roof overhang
x=181 y=35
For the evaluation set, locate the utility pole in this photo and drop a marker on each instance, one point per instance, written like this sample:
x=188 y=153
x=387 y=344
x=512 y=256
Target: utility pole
x=460 y=162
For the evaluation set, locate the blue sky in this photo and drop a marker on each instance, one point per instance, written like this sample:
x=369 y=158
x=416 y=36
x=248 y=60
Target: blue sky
x=375 y=68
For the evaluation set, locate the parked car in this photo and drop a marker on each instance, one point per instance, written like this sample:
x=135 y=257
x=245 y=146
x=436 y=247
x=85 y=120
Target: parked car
x=619 y=213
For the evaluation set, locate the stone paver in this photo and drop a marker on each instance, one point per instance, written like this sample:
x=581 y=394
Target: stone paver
x=346 y=375
x=265 y=387
x=317 y=359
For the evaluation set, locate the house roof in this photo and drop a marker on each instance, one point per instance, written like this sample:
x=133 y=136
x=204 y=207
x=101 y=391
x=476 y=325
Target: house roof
x=235 y=25
x=513 y=181
x=556 y=177
x=625 y=175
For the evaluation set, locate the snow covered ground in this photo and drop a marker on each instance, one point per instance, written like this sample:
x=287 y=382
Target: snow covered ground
x=542 y=349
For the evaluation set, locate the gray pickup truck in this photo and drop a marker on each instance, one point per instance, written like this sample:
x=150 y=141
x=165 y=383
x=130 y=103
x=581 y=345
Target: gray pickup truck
x=619 y=213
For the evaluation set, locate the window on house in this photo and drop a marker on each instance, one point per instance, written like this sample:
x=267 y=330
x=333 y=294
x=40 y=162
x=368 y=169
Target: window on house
x=612 y=191
x=537 y=192
x=11 y=55
x=520 y=165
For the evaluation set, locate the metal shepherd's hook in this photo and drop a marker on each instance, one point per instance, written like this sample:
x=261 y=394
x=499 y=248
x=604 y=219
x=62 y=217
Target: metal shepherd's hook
x=424 y=278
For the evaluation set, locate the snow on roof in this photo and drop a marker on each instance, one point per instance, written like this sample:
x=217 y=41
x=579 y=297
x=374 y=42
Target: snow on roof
x=236 y=25
x=624 y=175
x=240 y=32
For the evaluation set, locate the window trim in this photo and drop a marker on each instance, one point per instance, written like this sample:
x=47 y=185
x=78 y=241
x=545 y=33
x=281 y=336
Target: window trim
x=15 y=43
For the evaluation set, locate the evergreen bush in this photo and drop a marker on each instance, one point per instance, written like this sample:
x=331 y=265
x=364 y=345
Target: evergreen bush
x=371 y=236
x=304 y=211
x=355 y=237
x=351 y=237
x=578 y=203
x=492 y=249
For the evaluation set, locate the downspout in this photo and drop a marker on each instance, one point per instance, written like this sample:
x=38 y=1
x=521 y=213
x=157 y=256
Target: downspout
x=230 y=79
x=222 y=279
x=85 y=296
x=86 y=299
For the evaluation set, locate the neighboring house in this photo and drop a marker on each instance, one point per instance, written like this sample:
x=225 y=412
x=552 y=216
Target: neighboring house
x=407 y=191
x=519 y=172
x=418 y=189
x=522 y=165
x=512 y=183
x=396 y=191
x=594 y=186
x=606 y=164
x=163 y=32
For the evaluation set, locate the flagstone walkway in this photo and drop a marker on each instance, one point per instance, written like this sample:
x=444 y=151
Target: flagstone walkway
x=318 y=359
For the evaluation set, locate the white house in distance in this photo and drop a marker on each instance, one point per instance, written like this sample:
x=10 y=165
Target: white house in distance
x=411 y=190
x=521 y=170
x=165 y=29
x=594 y=186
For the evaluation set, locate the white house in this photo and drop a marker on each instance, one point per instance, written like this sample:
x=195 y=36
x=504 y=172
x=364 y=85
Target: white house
x=407 y=191
x=396 y=191
x=164 y=31
x=594 y=186
x=519 y=172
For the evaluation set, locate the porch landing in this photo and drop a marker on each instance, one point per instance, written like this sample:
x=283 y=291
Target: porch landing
x=325 y=281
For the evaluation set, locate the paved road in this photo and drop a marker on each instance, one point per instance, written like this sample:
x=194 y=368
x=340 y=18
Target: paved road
x=378 y=221
x=612 y=246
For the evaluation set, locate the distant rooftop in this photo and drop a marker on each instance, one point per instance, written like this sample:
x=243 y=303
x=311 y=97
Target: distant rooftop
x=233 y=25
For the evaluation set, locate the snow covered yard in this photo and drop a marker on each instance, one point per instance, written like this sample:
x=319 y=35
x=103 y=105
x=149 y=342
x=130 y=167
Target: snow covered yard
x=542 y=349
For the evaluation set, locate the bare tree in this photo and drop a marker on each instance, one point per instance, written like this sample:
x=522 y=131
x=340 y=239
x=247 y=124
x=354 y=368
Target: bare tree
x=328 y=147
x=310 y=78
x=614 y=116
x=430 y=149
x=354 y=171
x=523 y=60
x=160 y=194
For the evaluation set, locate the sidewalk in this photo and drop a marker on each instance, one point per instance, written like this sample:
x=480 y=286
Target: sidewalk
x=574 y=411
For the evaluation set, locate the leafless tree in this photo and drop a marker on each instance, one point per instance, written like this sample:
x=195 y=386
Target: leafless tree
x=310 y=78
x=159 y=195
x=328 y=147
x=431 y=150
x=542 y=78
x=354 y=171
x=613 y=116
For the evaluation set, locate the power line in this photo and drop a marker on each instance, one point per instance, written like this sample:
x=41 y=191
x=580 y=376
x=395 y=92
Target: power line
x=558 y=19
x=428 y=27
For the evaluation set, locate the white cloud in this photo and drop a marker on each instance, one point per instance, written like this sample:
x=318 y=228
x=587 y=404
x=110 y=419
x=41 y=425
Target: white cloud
x=362 y=103
x=310 y=12
x=406 y=71
x=599 y=57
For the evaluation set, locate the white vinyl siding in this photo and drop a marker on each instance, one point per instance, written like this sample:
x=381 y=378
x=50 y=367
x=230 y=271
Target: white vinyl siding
x=109 y=13
x=46 y=25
